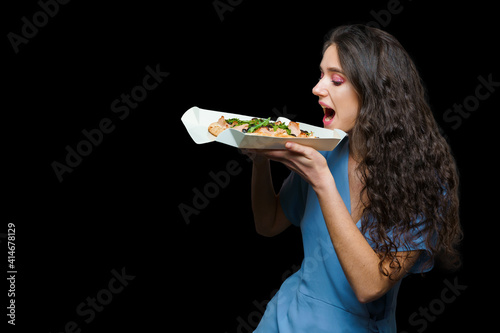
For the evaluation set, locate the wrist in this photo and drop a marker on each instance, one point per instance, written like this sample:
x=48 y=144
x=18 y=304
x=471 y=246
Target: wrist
x=325 y=185
x=260 y=161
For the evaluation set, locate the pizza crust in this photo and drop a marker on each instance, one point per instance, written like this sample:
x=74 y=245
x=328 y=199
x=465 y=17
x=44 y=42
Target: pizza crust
x=215 y=129
x=218 y=127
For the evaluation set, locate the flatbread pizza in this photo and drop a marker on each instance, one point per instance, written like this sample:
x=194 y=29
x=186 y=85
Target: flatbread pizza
x=259 y=126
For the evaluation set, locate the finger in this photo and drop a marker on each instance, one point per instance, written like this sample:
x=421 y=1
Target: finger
x=274 y=154
x=298 y=149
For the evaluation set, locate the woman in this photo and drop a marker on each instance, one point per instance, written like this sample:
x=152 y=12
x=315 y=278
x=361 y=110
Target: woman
x=381 y=205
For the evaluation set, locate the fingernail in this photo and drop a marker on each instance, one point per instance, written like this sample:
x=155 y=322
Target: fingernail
x=288 y=145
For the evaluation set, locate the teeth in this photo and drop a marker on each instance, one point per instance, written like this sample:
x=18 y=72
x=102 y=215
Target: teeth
x=327 y=108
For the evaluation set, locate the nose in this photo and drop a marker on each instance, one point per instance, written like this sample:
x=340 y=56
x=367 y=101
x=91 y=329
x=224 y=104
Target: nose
x=319 y=89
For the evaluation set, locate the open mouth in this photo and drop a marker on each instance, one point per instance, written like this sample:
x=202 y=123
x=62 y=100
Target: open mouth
x=329 y=115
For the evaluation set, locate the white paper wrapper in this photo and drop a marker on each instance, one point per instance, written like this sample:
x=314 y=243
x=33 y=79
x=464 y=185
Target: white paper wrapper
x=196 y=121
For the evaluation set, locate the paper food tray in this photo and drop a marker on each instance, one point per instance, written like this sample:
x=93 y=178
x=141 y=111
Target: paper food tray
x=196 y=121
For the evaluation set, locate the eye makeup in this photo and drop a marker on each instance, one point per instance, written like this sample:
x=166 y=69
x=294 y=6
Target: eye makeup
x=337 y=79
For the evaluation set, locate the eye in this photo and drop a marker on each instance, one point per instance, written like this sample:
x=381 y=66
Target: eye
x=337 y=80
x=321 y=76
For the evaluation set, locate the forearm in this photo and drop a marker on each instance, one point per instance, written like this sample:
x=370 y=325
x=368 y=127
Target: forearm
x=264 y=198
x=359 y=261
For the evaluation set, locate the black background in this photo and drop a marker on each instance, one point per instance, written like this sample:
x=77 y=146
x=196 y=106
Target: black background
x=119 y=208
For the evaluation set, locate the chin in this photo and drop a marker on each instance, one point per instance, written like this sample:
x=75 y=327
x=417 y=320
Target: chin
x=334 y=125
x=340 y=126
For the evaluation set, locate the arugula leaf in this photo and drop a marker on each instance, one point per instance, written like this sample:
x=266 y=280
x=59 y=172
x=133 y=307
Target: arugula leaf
x=259 y=124
x=282 y=126
x=238 y=121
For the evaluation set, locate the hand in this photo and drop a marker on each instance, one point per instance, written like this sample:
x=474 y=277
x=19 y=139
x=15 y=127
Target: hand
x=305 y=161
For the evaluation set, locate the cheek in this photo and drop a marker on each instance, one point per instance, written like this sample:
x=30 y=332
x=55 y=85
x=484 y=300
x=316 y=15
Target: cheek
x=352 y=116
x=348 y=109
x=353 y=108
x=347 y=103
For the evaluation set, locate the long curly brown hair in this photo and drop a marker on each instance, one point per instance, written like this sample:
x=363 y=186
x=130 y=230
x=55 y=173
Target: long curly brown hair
x=408 y=173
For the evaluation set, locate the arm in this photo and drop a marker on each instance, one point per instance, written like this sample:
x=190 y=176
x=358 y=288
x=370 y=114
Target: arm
x=358 y=260
x=268 y=214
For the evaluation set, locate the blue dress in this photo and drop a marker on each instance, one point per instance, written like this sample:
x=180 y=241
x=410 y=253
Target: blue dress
x=318 y=297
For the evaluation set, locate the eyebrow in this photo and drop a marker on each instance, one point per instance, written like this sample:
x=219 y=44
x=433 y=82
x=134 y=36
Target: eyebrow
x=332 y=69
